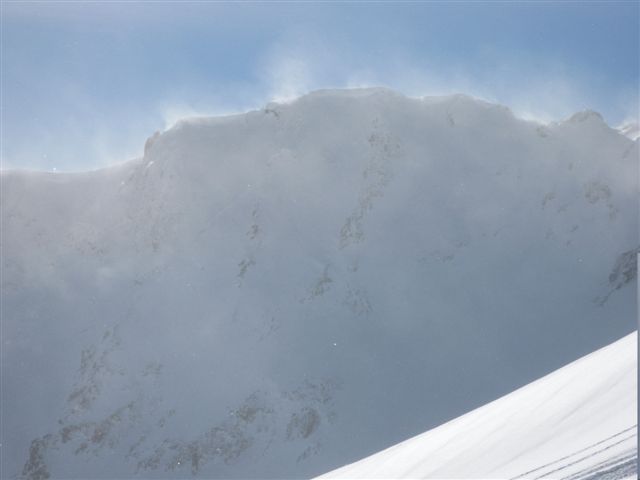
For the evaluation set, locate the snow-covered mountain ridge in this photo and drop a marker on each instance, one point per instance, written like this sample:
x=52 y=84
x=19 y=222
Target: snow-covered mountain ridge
x=579 y=422
x=278 y=293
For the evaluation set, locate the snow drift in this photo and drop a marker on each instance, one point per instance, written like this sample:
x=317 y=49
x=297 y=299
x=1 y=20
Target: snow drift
x=576 y=423
x=278 y=293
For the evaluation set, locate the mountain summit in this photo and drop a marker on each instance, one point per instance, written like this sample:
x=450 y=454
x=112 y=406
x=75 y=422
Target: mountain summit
x=281 y=292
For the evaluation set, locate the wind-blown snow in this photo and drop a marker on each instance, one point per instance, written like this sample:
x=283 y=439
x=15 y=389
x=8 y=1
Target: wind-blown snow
x=631 y=130
x=576 y=423
x=278 y=293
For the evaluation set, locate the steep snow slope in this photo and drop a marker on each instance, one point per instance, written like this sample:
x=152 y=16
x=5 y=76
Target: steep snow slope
x=578 y=422
x=285 y=291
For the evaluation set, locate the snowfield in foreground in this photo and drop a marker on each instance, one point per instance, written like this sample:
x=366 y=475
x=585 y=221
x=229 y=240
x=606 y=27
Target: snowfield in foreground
x=579 y=422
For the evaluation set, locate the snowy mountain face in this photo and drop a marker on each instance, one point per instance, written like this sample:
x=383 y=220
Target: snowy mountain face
x=578 y=423
x=282 y=292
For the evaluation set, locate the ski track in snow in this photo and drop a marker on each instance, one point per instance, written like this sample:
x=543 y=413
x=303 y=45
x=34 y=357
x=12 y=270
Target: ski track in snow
x=608 y=443
x=619 y=467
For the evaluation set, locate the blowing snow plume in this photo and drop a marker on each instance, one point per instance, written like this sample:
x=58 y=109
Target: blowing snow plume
x=281 y=292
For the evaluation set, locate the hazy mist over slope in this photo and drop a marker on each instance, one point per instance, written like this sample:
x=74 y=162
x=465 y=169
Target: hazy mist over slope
x=277 y=293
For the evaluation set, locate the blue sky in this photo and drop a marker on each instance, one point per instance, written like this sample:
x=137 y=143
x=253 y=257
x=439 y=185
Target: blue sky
x=84 y=84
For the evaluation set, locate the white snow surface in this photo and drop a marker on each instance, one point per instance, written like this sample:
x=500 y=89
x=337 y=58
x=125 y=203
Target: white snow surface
x=279 y=293
x=631 y=130
x=579 y=422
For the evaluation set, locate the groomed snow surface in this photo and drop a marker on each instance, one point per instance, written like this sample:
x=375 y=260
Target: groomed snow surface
x=577 y=423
